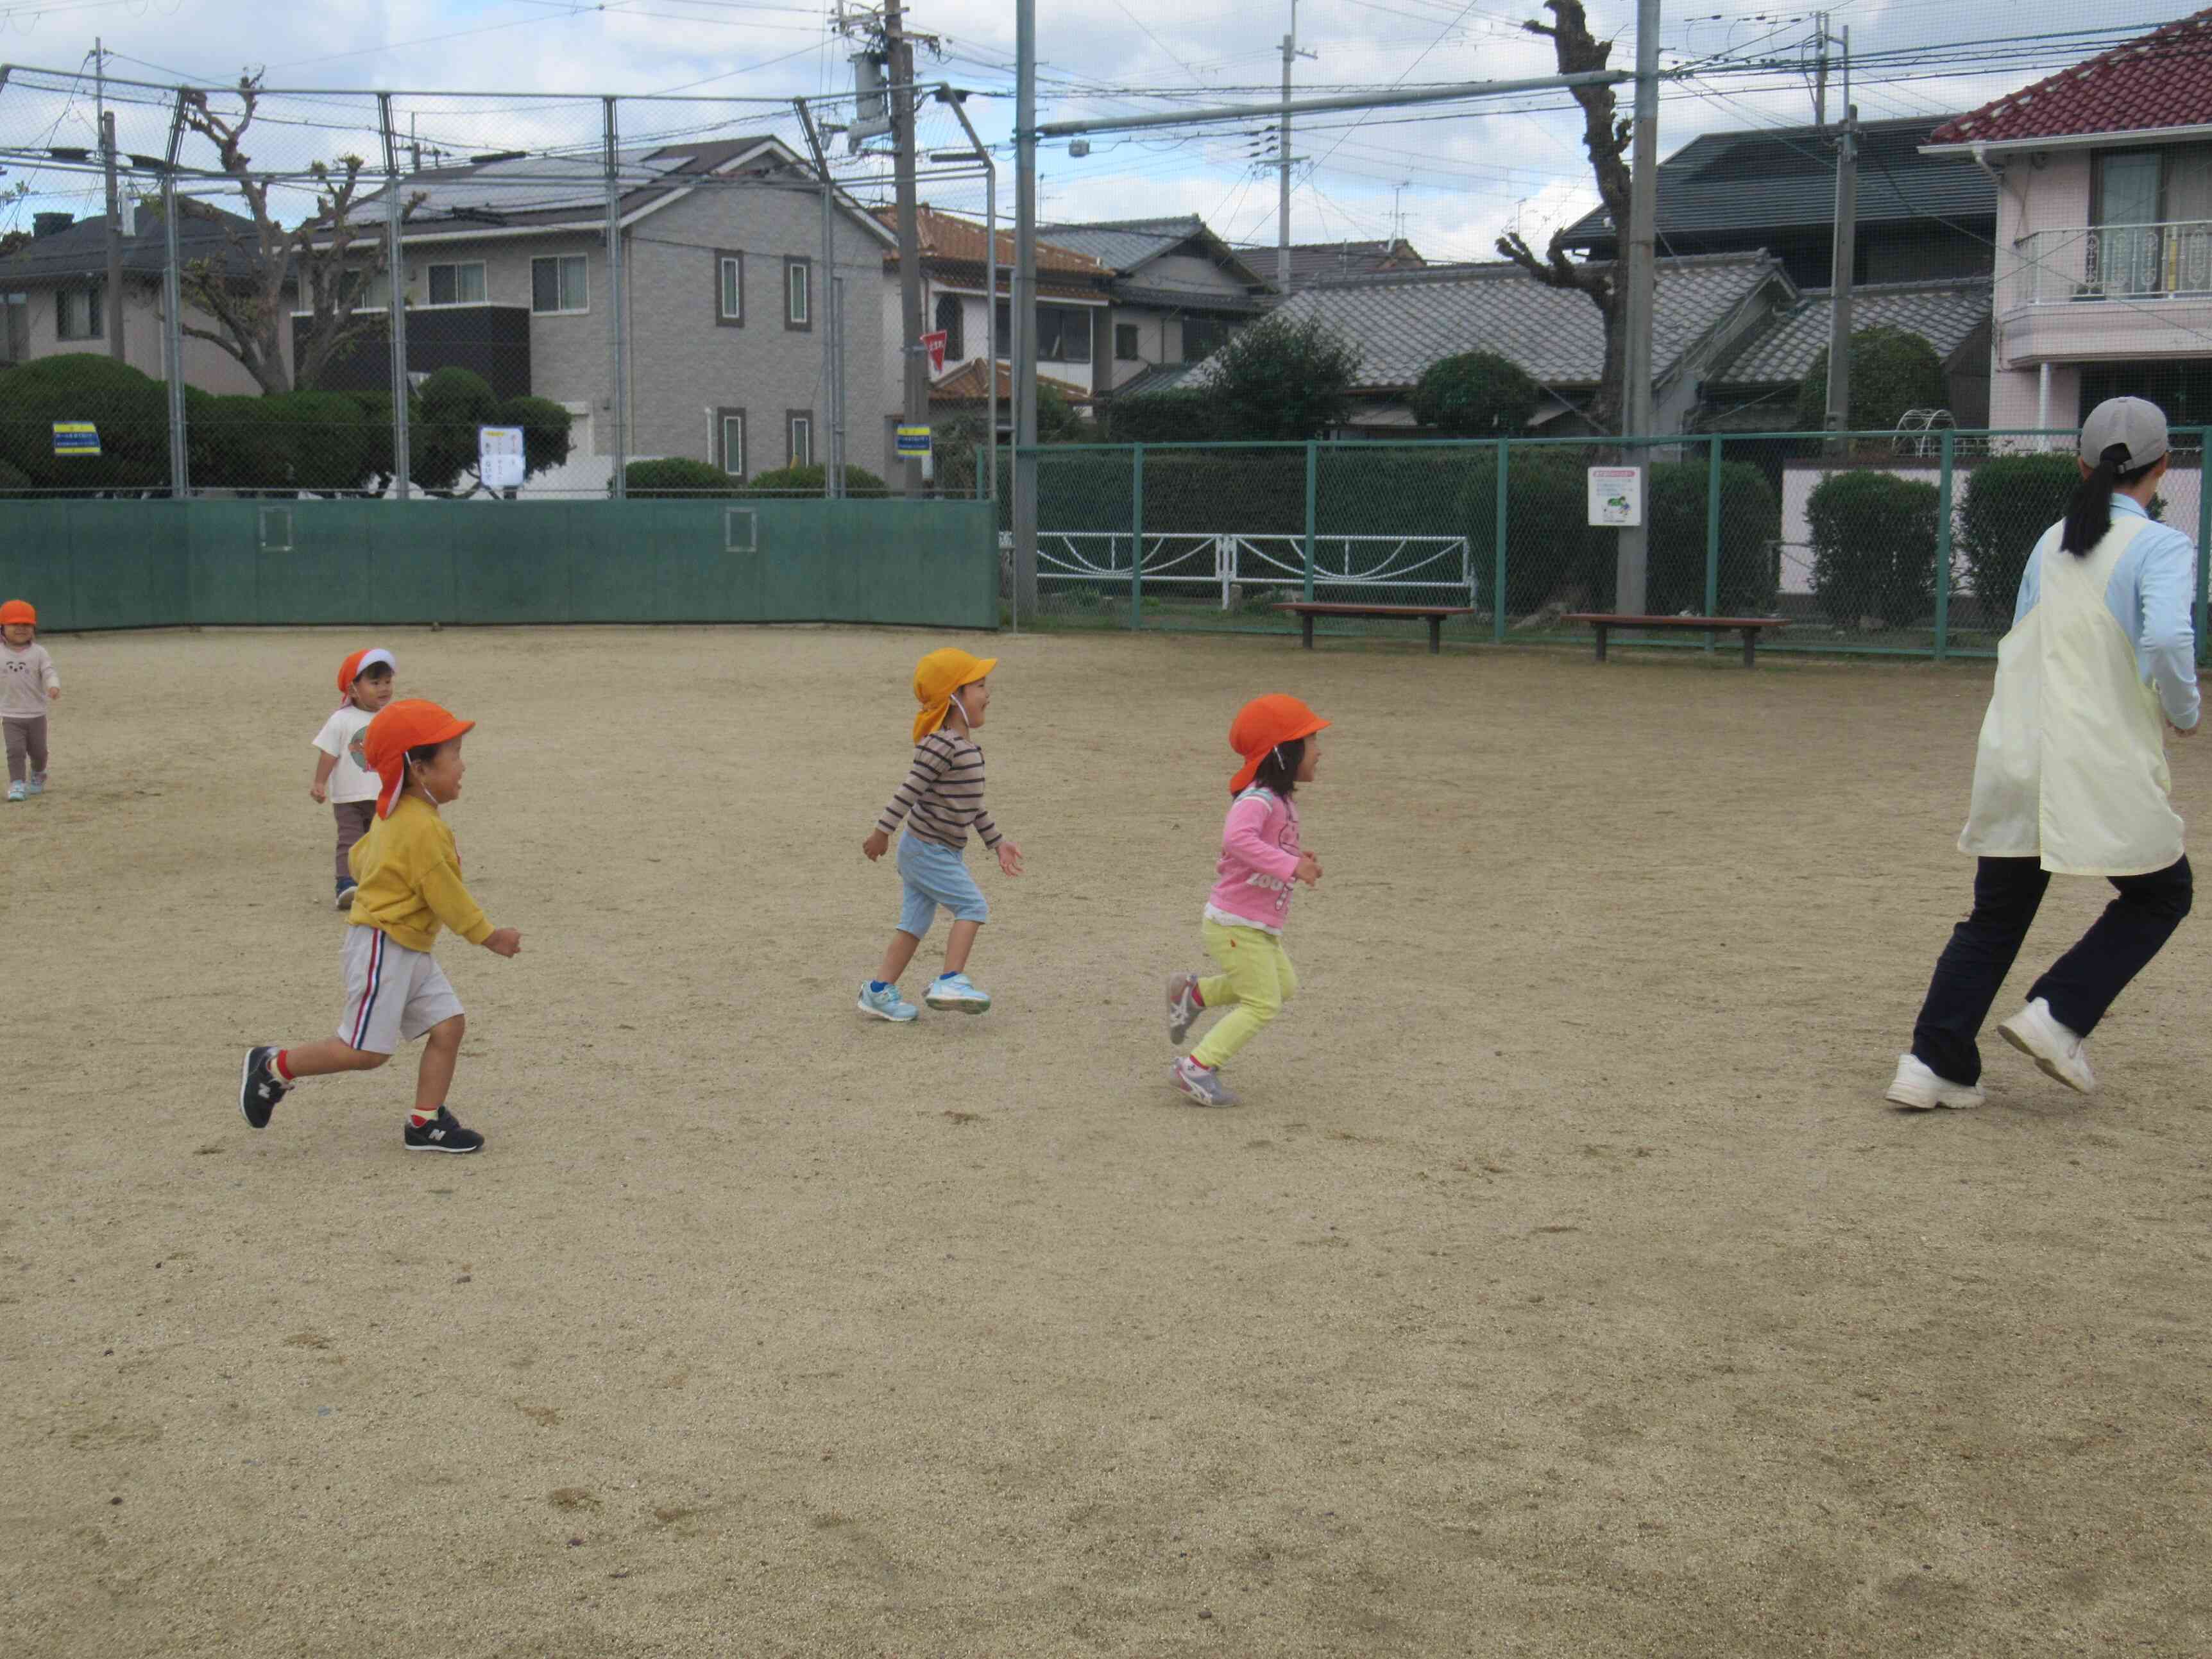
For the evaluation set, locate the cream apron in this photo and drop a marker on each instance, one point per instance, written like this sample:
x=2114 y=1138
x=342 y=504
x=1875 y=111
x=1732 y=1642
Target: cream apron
x=2072 y=764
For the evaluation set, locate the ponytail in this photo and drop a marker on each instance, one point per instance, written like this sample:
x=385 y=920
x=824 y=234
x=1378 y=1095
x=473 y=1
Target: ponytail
x=2089 y=511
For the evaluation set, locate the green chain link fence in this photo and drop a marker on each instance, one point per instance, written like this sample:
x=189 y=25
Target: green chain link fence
x=1908 y=544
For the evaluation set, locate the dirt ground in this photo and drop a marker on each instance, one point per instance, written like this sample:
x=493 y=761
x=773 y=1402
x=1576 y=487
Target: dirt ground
x=1562 y=1287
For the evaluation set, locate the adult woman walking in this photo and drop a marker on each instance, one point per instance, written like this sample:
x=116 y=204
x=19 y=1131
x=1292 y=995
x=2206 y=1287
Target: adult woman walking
x=2070 y=776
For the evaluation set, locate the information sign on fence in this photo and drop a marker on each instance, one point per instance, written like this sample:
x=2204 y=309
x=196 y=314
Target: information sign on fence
x=76 y=438
x=1616 y=495
x=914 y=441
x=498 y=457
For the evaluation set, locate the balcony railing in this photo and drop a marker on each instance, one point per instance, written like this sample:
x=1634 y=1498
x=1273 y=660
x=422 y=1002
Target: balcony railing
x=2114 y=262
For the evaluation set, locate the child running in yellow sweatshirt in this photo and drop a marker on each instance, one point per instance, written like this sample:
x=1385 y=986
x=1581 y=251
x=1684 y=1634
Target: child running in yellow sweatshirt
x=410 y=885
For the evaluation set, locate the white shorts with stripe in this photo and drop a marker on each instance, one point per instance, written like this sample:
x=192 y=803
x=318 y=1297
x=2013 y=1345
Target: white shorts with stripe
x=394 y=994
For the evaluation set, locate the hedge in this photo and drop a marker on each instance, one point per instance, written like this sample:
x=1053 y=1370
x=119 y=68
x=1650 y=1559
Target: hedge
x=2010 y=501
x=1873 y=548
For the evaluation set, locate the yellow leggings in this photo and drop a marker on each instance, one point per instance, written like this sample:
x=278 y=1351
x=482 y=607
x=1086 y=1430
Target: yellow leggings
x=1255 y=974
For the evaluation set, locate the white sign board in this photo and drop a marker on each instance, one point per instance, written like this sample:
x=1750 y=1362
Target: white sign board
x=1616 y=495
x=498 y=457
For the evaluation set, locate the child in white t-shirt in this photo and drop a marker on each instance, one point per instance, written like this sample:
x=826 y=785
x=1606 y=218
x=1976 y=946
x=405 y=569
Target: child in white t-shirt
x=341 y=777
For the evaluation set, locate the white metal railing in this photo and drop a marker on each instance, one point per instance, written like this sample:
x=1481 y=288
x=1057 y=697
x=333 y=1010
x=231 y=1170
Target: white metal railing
x=1213 y=560
x=2114 y=262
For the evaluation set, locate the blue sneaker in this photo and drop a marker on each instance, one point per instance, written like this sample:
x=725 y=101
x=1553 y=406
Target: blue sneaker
x=38 y=784
x=951 y=991
x=887 y=1004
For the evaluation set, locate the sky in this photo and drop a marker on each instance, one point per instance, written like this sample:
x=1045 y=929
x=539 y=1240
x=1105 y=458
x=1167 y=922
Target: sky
x=1451 y=180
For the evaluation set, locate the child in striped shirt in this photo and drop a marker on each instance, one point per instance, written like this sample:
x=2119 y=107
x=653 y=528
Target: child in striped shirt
x=941 y=799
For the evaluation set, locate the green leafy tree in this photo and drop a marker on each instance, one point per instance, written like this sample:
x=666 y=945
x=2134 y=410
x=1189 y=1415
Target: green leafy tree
x=1477 y=394
x=1282 y=378
x=444 y=441
x=1892 y=370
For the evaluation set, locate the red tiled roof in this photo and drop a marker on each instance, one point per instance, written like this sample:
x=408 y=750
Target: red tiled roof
x=949 y=237
x=2162 y=80
x=964 y=384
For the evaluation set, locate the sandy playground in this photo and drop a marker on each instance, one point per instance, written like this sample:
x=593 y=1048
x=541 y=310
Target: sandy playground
x=1563 y=1287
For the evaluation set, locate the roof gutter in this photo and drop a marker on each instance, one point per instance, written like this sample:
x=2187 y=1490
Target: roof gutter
x=1975 y=149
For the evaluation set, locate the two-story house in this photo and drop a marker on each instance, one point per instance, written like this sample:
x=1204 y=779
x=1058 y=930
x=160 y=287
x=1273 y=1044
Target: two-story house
x=505 y=272
x=2103 y=176
x=56 y=300
x=1176 y=290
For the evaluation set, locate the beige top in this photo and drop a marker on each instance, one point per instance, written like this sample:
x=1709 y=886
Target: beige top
x=2071 y=768
x=26 y=675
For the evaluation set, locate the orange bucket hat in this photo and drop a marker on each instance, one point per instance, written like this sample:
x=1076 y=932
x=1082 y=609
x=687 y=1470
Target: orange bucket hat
x=1263 y=725
x=411 y=723
x=936 y=677
x=19 y=611
x=359 y=664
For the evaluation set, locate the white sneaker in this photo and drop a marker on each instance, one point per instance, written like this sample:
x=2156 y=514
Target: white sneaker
x=948 y=992
x=1920 y=1088
x=2056 y=1050
x=15 y=792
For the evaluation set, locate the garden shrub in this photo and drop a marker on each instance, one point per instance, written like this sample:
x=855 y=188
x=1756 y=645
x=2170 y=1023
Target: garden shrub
x=1873 y=548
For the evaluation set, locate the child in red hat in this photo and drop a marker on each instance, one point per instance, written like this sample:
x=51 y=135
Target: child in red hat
x=1279 y=739
x=342 y=778
x=410 y=876
x=27 y=685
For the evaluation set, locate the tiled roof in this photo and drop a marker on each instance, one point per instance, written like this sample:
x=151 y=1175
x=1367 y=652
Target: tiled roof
x=2163 y=79
x=957 y=240
x=966 y=384
x=1945 y=315
x=1403 y=321
x=1314 y=262
x=1125 y=245
x=1784 y=178
x=1160 y=377
x=540 y=190
x=81 y=249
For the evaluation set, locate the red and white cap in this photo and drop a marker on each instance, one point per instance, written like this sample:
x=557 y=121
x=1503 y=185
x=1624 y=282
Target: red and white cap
x=359 y=664
x=411 y=723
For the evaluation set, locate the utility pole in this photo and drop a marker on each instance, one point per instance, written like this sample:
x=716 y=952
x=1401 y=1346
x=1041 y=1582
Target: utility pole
x=898 y=53
x=1838 y=414
x=1820 y=71
x=1640 y=274
x=1291 y=53
x=111 y=298
x=1024 y=311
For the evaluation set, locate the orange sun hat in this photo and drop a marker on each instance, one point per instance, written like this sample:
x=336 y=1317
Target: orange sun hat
x=359 y=664
x=19 y=611
x=936 y=677
x=411 y=723
x=1263 y=725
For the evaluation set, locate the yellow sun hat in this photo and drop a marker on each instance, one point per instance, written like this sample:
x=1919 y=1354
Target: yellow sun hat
x=936 y=677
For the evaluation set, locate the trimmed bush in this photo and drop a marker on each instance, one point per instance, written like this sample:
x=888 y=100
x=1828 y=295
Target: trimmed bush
x=1553 y=553
x=441 y=439
x=677 y=478
x=1873 y=548
x=1750 y=523
x=1893 y=370
x=813 y=480
x=544 y=423
x=2010 y=501
x=131 y=411
x=1163 y=417
x=1477 y=394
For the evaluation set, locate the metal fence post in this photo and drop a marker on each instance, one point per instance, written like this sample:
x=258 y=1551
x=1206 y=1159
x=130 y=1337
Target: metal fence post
x=1943 y=497
x=1497 y=547
x=2203 y=531
x=173 y=325
x=1313 y=484
x=619 y=442
x=1136 y=538
x=1713 y=532
x=395 y=315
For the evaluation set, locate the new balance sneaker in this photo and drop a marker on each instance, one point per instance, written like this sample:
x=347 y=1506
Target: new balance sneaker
x=1201 y=1083
x=957 y=991
x=259 y=1088
x=345 y=896
x=1919 y=1088
x=442 y=1134
x=887 y=1004
x=15 y=792
x=37 y=785
x=2056 y=1050
x=1183 y=1006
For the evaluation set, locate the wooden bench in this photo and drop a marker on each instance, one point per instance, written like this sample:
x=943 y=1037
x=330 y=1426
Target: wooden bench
x=1749 y=626
x=1306 y=610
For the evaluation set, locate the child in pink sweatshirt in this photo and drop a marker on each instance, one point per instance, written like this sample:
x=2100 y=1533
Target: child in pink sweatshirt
x=1279 y=739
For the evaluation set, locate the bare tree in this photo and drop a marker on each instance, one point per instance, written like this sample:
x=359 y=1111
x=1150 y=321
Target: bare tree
x=1605 y=137
x=325 y=260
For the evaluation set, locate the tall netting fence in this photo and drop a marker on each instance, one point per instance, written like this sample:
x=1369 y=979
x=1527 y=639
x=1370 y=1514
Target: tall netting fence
x=468 y=296
x=1871 y=544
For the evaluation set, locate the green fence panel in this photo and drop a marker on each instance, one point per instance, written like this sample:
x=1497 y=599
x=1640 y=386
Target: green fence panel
x=509 y=563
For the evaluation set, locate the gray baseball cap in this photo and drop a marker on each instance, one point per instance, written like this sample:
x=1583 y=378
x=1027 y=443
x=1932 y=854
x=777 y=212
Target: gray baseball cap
x=2130 y=421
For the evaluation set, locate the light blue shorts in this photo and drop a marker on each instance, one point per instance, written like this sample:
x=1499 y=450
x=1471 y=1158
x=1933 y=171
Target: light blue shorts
x=935 y=875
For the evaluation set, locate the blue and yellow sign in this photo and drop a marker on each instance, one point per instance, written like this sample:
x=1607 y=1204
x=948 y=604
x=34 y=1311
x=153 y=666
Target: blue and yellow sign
x=76 y=438
x=914 y=441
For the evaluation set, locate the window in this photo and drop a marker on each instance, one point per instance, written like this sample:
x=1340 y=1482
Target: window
x=798 y=434
x=1202 y=337
x=730 y=290
x=1063 y=334
x=77 y=314
x=798 y=293
x=951 y=314
x=458 y=284
x=369 y=290
x=730 y=442
x=1124 y=342
x=558 y=284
